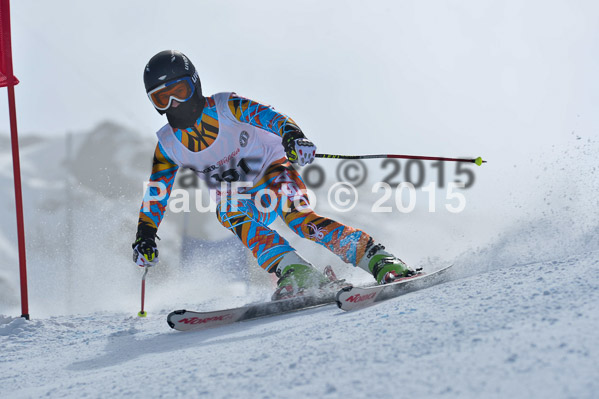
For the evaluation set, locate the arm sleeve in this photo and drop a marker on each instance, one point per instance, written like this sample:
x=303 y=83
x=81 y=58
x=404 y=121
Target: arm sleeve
x=262 y=116
x=157 y=193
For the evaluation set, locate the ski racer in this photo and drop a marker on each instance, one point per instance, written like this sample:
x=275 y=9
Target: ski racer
x=227 y=138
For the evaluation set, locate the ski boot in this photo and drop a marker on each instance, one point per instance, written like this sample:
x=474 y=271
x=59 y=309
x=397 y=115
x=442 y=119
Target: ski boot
x=385 y=267
x=296 y=276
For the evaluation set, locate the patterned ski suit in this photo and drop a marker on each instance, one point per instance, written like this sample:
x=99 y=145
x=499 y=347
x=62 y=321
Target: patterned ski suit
x=245 y=136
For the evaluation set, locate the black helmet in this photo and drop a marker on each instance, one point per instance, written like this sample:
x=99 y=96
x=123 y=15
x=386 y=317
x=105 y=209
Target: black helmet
x=170 y=66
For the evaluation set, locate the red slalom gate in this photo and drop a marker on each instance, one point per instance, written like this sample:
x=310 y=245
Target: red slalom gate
x=8 y=80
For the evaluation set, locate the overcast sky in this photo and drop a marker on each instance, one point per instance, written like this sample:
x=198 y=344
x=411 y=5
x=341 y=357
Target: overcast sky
x=430 y=77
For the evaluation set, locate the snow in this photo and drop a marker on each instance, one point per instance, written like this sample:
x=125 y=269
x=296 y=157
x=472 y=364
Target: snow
x=521 y=331
x=518 y=318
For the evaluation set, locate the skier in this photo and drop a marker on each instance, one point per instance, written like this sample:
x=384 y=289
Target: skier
x=257 y=144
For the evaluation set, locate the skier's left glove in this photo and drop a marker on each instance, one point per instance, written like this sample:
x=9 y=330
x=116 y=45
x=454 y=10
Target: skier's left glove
x=298 y=148
x=145 y=252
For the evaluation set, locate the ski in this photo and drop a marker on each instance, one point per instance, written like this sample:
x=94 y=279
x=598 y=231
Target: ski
x=352 y=298
x=348 y=298
x=186 y=320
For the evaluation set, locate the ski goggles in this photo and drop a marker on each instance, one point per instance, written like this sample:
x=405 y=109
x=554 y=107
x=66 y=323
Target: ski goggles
x=181 y=90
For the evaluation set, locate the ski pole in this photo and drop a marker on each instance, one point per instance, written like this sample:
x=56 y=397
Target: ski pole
x=479 y=161
x=142 y=312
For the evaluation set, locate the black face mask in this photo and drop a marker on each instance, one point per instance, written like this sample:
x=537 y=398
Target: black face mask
x=187 y=113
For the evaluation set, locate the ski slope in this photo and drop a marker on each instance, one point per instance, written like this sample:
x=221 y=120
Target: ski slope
x=518 y=319
x=520 y=331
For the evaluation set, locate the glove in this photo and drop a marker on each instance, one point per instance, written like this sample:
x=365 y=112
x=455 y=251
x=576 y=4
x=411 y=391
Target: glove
x=298 y=148
x=145 y=253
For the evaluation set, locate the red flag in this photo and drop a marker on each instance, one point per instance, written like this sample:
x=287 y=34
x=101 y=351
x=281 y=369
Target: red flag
x=6 y=75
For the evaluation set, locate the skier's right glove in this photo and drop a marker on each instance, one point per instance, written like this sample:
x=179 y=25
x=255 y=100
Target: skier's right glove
x=298 y=148
x=145 y=252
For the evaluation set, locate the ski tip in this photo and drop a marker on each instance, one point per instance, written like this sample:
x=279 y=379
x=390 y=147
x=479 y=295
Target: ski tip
x=175 y=312
x=342 y=290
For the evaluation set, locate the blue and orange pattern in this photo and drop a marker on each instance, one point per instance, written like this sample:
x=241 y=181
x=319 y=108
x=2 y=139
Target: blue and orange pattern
x=200 y=137
x=260 y=115
x=243 y=217
x=250 y=224
x=162 y=178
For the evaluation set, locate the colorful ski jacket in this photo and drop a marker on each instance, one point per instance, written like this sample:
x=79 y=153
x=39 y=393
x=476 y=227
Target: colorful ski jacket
x=235 y=139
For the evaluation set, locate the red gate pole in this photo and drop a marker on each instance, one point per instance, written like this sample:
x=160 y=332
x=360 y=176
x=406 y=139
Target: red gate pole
x=18 y=201
x=11 y=81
